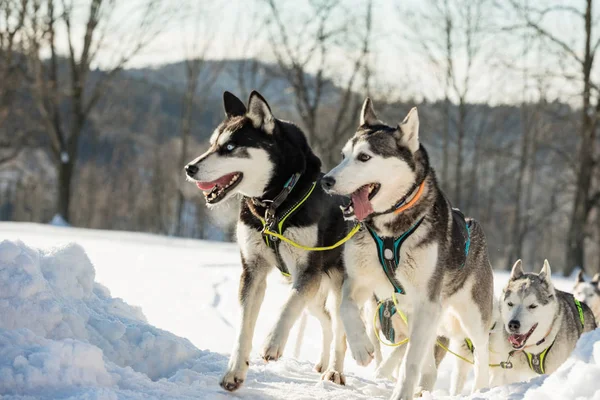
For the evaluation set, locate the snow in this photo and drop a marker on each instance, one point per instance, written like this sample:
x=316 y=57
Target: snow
x=64 y=335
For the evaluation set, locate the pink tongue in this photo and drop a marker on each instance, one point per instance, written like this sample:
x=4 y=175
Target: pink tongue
x=222 y=181
x=362 y=205
x=516 y=339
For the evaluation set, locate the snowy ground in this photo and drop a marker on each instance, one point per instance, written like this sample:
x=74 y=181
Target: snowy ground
x=64 y=335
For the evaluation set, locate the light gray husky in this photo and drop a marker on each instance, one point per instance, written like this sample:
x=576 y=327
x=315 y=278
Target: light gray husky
x=413 y=245
x=541 y=326
x=588 y=292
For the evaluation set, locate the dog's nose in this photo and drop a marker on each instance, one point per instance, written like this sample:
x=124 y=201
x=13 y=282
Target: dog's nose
x=514 y=325
x=191 y=170
x=327 y=182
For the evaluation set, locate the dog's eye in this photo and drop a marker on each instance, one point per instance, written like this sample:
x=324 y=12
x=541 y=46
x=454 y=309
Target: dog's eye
x=510 y=304
x=363 y=157
x=343 y=156
x=533 y=306
x=230 y=147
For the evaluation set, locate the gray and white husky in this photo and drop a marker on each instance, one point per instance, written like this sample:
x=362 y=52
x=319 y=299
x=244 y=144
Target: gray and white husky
x=541 y=326
x=413 y=244
x=588 y=292
x=269 y=164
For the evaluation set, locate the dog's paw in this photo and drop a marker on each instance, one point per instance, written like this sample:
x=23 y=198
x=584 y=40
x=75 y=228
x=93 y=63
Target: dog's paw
x=334 y=376
x=319 y=367
x=363 y=351
x=384 y=373
x=273 y=349
x=232 y=380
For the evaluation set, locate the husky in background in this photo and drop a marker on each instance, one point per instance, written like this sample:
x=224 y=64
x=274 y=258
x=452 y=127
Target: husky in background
x=541 y=326
x=413 y=246
x=269 y=164
x=588 y=292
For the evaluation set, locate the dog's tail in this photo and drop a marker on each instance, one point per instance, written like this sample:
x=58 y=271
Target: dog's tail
x=301 y=329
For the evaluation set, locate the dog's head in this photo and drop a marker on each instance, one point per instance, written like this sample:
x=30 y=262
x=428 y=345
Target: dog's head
x=528 y=305
x=380 y=164
x=239 y=159
x=587 y=292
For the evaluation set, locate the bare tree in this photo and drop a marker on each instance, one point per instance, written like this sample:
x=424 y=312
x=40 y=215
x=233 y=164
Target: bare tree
x=305 y=63
x=12 y=24
x=66 y=99
x=585 y=199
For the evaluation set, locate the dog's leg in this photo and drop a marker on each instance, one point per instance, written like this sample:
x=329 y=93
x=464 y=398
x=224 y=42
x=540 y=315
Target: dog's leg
x=428 y=372
x=422 y=337
x=335 y=370
x=304 y=288
x=388 y=366
x=354 y=295
x=475 y=330
x=461 y=368
x=318 y=310
x=252 y=291
x=368 y=311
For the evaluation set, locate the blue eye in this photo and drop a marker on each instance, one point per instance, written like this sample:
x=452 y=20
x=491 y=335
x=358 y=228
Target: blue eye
x=230 y=147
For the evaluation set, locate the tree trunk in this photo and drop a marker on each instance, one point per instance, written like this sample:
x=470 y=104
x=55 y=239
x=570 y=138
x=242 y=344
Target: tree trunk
x=65 y=175
x=459 y=153
x=576 y=237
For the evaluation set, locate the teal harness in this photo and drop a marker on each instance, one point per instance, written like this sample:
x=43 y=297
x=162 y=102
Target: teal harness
x=388 y=250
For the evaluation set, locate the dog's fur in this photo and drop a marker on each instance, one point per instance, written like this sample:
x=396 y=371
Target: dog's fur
x=437 y=284
x=266 y=152
x=530 y=300
x=588 y=292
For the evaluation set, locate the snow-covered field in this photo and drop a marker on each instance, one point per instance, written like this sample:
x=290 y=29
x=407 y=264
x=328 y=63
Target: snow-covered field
x=113 y=315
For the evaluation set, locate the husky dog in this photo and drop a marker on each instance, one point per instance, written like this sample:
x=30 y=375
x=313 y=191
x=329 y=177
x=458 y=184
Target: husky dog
x=589 y=292
x=541 y=326
x=413 y=246
x=269 y=163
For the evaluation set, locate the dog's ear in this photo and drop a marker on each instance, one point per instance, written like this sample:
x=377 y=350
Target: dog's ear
x=232 y=105
x=580 y=276
x=545 y=273
x=596 y=279
x=260 y=113
x=367 y=114
x=409 y=129
x=517 y=270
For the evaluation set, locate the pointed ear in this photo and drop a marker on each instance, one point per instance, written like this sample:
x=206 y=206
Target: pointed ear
x=596 y=279
x=367 y=114
x=410 y=130
x=260 y=113
x=545 y=273
x=517 y=270
x=232 y=105
x=580 y=276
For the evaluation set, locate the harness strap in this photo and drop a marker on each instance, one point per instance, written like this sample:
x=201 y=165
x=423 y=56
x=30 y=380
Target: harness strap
x=580 y=310
x=537 y=362
x=388 y=250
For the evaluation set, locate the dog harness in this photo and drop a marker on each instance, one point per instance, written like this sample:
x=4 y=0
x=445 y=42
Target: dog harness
x=272 y=222
x=537 y=362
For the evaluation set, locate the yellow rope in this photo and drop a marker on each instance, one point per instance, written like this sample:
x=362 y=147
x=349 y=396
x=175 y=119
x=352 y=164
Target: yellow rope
x=405 y=319
x=333 y=246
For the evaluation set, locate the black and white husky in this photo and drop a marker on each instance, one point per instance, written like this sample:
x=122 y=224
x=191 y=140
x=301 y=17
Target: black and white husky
x=588 y=292
x=414 y=245
x=540 y=326
x=270 y=164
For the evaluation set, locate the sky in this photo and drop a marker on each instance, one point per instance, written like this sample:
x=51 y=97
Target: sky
x=233 y=29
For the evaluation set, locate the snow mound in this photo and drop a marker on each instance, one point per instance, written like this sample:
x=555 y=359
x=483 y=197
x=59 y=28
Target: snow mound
x=54 y=295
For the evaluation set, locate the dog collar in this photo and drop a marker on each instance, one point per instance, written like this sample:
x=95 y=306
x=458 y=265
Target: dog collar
x=407 y=201
x=537 y=362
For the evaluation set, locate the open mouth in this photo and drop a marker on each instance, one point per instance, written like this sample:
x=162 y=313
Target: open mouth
x=360 y=202
x=518 y=341
x=216 y=190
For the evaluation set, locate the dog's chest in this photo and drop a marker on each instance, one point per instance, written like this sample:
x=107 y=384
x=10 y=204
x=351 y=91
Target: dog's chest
x=364 y=262
x=252 y=245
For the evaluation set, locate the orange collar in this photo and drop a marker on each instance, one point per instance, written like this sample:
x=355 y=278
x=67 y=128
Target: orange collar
x=414 y=200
